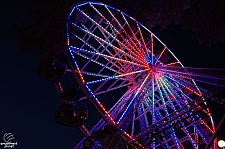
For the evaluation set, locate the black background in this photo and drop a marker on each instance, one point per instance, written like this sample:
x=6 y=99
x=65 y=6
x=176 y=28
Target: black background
x=28 y=102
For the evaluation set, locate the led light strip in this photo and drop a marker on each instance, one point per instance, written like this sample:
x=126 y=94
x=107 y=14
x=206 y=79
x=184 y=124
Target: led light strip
x=103 y=55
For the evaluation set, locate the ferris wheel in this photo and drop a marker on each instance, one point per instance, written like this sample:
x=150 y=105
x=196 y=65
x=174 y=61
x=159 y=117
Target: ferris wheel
x=112 y=53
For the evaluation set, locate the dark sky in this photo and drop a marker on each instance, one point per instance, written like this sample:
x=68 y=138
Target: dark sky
x=28 y=102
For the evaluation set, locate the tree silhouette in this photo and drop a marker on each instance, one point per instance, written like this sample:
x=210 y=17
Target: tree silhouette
x=43 y=25
x=207 y=22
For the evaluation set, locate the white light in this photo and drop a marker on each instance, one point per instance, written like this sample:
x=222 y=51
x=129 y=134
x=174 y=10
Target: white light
x=221 y=143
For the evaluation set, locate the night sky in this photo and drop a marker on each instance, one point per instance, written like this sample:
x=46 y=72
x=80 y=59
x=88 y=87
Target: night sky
x=28 y=102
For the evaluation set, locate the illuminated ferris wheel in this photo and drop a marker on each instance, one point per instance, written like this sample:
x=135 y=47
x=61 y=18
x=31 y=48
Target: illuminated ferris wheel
x=109 y=53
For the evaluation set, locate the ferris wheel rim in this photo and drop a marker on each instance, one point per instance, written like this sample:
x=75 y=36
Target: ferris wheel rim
x=82 y=81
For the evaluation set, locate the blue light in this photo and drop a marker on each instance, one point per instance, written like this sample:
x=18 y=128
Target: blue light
x=147 y=59
x=100 y=80
x=91 y=92
x=133 y=99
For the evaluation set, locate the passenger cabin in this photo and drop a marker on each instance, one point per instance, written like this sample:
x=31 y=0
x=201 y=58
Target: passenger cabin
x=100 y=136
x=71 y=94
x=53 y=68
x=71 y=115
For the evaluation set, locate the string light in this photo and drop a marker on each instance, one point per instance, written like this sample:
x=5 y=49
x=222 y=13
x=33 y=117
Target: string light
x=142 y=60
x=103 y=55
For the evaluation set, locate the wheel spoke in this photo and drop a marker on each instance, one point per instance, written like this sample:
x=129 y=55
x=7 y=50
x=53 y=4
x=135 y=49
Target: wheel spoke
x=99 y=39
x=116 y=77
x=103 y=55
x=122 y=28
x=131 y=48
x=161 y=105
x=157 y=60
